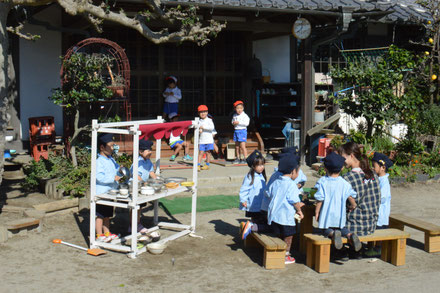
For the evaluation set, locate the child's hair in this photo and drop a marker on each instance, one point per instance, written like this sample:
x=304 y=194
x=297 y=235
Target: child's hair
x=352 y=148
x=257 y=161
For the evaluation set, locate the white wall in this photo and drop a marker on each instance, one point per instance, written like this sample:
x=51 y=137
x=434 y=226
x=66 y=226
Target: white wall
x=39 y=72
x=274 y=54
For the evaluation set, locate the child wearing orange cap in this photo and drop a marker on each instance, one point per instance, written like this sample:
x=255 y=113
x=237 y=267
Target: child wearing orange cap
x=206 y=139
x=240 y=120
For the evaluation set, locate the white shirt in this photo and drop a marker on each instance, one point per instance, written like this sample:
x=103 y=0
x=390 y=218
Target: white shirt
x=177 y=95
x=206 y=135
x=243 y=120
x=173 y=138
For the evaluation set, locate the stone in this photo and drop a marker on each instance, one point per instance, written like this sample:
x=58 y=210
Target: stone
x=83 y=204
x=4 y=235
x=33 y=213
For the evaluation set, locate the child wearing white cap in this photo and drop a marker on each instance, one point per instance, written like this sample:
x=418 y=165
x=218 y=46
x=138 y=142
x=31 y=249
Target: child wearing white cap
x=172 y=95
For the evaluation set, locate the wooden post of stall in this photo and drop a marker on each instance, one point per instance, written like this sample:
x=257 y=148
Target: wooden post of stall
x=306 y=94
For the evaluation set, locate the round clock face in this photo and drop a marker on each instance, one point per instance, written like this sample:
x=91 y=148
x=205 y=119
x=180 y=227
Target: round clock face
x=302 y=28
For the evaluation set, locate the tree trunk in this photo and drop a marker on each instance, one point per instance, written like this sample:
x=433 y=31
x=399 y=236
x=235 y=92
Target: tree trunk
x=76 y=132
x=5 y=100
x=369 y=127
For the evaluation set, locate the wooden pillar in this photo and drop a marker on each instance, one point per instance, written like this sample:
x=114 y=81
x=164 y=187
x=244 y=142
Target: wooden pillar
x=306 y=93
x=248 y=93
x=293 y=59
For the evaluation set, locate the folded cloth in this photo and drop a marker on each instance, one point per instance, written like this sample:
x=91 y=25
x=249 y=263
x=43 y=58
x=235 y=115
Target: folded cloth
x=159 y=130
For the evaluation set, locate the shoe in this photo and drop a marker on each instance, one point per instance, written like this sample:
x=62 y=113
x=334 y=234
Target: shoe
x=289 y=259
x=145 y=239
x=242 y=227
x=205 y=167
x=173 y=157
x=242 y=161
x=356 y=243
x=111 y=236
x=246 y=230
x=187 y=158
x=102 y=238
x=341 y=255
x=141 y=229
x=236 y=161
x=337 y=240
x=155 y=236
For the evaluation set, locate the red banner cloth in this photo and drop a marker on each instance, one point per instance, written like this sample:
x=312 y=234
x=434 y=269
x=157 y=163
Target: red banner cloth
x=160 y=129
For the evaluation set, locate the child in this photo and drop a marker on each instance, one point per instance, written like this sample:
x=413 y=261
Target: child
x=381 y=164
x=177 y=143
x=106 y=179
x=214 y=133
x=240 y=120
x=284 y=201
x=145 y=171
x=172 y=95
x=332 y=195
x=251 y=191
x=206 y=140
x=301 y=180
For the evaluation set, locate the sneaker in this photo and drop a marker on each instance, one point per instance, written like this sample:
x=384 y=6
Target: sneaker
x=242 y=162
x=372 y=252
x=356 y=243
x=289 y=259
x=206 y=167
x=341 y=255
x=111 y=236
x=236 y=161
x=141 y=229
x=337 y=240
x=173 y=157
x=246 y=230
x=102 y=238
x=187 y=158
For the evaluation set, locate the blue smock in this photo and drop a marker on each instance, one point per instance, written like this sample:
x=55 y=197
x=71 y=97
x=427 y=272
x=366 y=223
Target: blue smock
x=333 y=192
x=106 y=171
x=385 y=201
x=283 y=195
x=145 y=166
x=252 y=194
x=301 y=177
x=266 y=198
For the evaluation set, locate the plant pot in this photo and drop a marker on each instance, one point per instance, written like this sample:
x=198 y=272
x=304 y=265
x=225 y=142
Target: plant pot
x=118 y=91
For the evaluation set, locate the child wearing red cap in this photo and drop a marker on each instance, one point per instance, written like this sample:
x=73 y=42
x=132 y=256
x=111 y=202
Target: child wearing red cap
x=206 y=140
x=172 y=95
x=240 y=120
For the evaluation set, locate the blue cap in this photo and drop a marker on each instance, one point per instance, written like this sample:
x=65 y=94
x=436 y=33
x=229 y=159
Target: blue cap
x=288 y=163
x=256 y=154
x=382 y=160
x=105 y=138
x=334 y=162
x=291 y=150
x=145 y=144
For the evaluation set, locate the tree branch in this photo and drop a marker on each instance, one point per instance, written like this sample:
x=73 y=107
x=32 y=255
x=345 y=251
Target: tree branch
x=194 y=32
x=17 y=30
x=28 y=2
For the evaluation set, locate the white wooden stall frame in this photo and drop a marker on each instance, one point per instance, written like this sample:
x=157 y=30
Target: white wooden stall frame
x=135 y=200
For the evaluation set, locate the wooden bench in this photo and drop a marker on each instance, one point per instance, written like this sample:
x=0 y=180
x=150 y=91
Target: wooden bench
x=274 y=249
x=393 y=248
x=432 y=231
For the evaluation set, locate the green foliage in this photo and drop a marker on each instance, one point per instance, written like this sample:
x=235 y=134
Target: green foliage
x=410 y=145
x=124 y=160
x=375 y=85
x=428 y=121
x=337 y=141
x=82 y=80
x=77 y=180
x=103 y=119
x=35 y=171
x=358 y=137
x=382 y=144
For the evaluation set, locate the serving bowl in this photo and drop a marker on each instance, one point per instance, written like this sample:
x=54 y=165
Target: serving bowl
x=156 y=247
x=123 y=191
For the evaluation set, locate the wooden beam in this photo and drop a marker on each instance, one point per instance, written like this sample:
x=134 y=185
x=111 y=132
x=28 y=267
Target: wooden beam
x=263 y=36
x=259 y=27
x=293 y=59
x=306 y=93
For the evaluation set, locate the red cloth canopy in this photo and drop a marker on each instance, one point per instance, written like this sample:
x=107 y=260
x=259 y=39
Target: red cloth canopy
x=160 y=129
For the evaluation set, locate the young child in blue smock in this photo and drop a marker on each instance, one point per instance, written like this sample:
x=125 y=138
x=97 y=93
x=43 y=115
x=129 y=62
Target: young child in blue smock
x=284 y=203
x=252 y=189
x=276 y=174
x=332 y=195
x=381 y=164
x=302 y=178
x=107 y=178
x=145 y=171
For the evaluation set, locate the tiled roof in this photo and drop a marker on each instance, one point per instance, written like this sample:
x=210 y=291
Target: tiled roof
x=402 y=10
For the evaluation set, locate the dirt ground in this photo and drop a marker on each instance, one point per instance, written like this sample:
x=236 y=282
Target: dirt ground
x=216 y=263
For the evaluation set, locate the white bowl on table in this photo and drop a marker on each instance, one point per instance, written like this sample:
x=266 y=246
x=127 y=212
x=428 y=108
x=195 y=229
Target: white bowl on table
x=147 y=190
x=123 y=191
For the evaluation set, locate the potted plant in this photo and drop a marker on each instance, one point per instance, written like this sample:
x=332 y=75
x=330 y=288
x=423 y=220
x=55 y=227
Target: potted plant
x=117 y=86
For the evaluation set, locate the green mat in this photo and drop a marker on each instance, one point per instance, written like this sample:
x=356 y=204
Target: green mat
x=204 y=203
